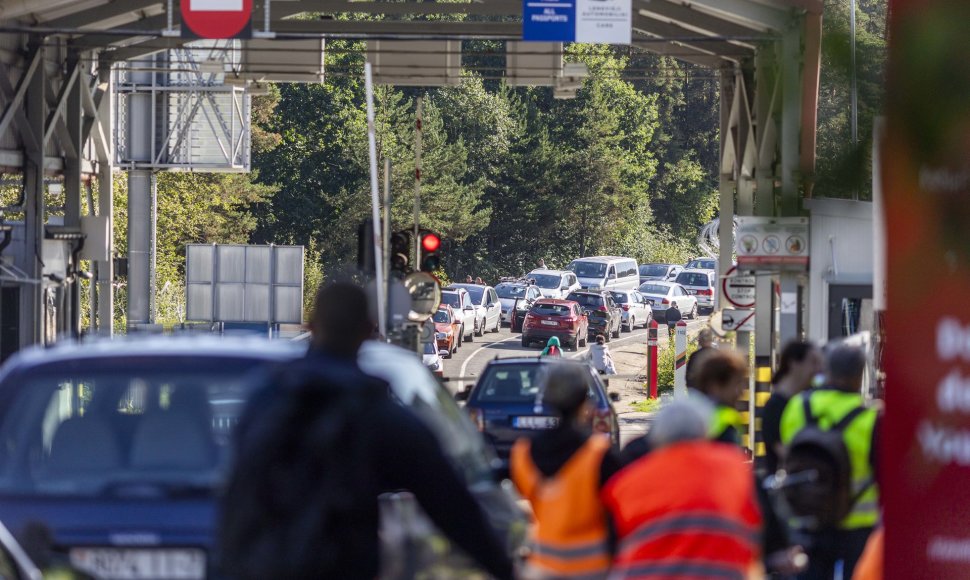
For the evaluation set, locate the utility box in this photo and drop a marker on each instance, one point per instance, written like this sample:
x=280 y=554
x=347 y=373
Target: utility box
x=415 y=63
x=532 y=63
x=97 y=237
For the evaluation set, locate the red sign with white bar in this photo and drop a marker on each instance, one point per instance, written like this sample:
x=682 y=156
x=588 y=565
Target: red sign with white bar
x=217 y=18
x=925 y=163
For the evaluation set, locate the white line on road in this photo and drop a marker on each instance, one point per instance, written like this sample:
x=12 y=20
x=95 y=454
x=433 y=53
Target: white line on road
x=464 y=365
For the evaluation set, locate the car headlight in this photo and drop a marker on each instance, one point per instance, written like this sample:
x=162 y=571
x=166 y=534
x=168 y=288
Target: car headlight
x=435 y=366
x=441 y=336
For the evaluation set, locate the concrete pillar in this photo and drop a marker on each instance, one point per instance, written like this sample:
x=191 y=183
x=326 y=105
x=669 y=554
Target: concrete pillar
x=140 y=122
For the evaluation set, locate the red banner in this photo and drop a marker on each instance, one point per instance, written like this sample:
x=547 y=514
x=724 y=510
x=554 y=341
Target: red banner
x=926 y=176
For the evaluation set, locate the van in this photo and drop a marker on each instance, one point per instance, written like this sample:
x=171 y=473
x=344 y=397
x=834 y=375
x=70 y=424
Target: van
x=606 y=273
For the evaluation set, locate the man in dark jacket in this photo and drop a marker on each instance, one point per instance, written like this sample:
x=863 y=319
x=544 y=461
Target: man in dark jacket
x=316 y=447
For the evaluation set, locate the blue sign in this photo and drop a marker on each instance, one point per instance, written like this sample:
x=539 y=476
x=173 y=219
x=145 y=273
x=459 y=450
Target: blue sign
x=549 y=21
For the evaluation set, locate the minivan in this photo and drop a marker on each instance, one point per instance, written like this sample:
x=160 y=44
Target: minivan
x=606 y=273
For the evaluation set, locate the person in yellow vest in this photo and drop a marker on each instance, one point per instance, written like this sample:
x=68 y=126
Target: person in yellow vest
x=722 y=376
x=560 y=472
x=688 y=509
x=837 y=551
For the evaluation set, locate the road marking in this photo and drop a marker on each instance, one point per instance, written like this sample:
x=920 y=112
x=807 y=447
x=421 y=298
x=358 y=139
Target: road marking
x=464 y=365
x=691 y=325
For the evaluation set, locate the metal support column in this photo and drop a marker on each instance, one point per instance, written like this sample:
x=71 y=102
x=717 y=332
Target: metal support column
x=726 y=177
x=791 y=119
x=74 y=188
x=766 y=129
x=105 y=269
x=35 y=100
x=140 y=121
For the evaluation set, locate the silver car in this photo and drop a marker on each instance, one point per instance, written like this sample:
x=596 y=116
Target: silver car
x=662 y=294
x=554 y=283
x=699 y=283
x=461 y=302
x=488 y=309
x=662 y=272
x=516 y=295
x=636 y=308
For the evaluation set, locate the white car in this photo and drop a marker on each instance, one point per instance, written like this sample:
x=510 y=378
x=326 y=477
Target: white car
x=662 y=294
x=461 y=302
x=488 y=309
x=702 y=264
x=700 y=283
x=636 y=308
x=554 y=283
x=513 y=295
x=432 y=359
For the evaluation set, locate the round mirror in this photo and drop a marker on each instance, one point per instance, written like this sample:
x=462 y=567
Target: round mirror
x=425 y=295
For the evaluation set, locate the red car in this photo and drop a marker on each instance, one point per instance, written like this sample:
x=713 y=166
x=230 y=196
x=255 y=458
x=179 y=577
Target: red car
x=447 y=330
x=550 y=317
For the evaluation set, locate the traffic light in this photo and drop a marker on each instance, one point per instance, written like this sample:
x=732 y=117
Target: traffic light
x=429 y=260
x=401 y=252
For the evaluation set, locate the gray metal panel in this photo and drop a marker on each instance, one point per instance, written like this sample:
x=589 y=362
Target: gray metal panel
x=289 y=265
x=257 y=303
x=258 y=264
x=198 y=305
x=416 y=62
x=289 y=304
x=299 y=61
x=230 y=303
x=232 y=264
x=199 y=260
x=533 y=63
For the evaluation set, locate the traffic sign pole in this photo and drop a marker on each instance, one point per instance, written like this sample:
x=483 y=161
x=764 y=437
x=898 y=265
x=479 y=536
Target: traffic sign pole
x=680 y=360
x=652 y=358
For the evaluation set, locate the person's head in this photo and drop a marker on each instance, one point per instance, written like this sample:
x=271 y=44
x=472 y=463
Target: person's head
x=341 y=321
x=479 y=281
x=800 y=362
x=705 y=338
x=845 y=366
x=679 y=421
x=674 y=306
x=722 y=376
x=566 y=392
x=600 y=339
x=553 y=341
x=468 y=279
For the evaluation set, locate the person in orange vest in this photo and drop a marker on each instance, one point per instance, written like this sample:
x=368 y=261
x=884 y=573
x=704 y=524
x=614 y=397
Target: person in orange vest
x=561 y=472
x=688 y=509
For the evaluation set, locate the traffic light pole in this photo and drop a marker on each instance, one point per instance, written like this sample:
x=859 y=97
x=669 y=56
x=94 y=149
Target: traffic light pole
x=387 y=244
x=381 y=289
x=417 y=183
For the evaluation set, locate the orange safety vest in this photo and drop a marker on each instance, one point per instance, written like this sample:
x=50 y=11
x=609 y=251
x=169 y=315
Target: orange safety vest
x=569 y=539
x=685 y=511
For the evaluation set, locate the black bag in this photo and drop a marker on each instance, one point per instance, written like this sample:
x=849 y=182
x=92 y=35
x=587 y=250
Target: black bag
x=299 y=480
x=820 y=471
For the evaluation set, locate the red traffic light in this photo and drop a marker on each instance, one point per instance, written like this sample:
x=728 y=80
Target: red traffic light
x=430 y=242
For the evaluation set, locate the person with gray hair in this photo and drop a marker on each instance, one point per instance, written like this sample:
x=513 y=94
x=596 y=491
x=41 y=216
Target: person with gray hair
x=685 y=420
x=839 y=404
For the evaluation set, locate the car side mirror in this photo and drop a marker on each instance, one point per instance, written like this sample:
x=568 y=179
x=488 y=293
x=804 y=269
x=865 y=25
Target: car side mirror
x=468 y=307
x=614 y=396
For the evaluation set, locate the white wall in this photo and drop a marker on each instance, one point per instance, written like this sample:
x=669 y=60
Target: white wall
x=841 y=252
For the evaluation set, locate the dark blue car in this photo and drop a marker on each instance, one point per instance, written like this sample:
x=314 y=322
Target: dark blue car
x=117 y=448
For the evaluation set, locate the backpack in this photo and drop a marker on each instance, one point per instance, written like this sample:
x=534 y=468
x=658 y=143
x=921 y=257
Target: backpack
x=819 y=472
x=297 y=483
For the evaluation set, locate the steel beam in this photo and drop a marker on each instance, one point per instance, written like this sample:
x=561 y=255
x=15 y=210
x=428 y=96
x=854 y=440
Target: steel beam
x=141 y=119
x=73 y=188
x=684 y=53
x=32 y=312
x=488 y=8
x=105 y=269
x=791 y=119
x=690 y=38
x=14 y=111
x=131 y=10
x=688 y=17
x=746 y=12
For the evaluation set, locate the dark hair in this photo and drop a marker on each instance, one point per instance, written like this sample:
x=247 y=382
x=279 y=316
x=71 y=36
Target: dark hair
x=718 y=368
x=341 y=318
x=845 y=362
x=565 y=389
x=795 y=351
x=600 y=339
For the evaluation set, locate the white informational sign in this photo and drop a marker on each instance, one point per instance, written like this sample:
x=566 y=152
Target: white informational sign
x=604 y=21
x=765 y=243
x=739 y=320
x=738 y=291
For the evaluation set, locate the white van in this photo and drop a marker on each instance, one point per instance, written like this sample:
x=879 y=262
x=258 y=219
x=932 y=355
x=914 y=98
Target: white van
x=606 y=272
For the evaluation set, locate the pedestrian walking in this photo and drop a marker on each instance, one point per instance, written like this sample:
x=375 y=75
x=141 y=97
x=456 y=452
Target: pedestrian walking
x=301 y=500
x=561 y=472
x=672 y=317
x=722 y=378
x=705 y=345
x=600 y=357
x=801 y=362
x=697 y=525
x=837 y=405
x=553 y=348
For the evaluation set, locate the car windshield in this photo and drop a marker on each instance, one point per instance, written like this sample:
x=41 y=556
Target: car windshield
x=693 y=279
x=112 y=424
x=451 y=299
x=430 y=348
x=510 y=291
x=701 y=265
x=551 y=309
x=587 y=300
x=653 y=270
x=588 y=269
x=546 y=281
x=654 y=289
x=516 y=383
x=476 y=293
x=442 y=317
x=620 y=297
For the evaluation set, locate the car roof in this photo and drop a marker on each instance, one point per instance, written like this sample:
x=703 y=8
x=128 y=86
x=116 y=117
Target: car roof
x=623 y=291
x=464 y=286
x=659 y=283
x=661 y=264
x=554 y=301
x=534 y=360
x=546 y=271
x=601 y=259
x=704 y=271
x=182 y=345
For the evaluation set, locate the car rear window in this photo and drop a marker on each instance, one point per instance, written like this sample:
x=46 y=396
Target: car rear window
x=653 y=270
x=654 y=289
x=451 y=299
x=702 y=264
x=588 y=269
x=442 y=317
x=551 y=309
x=587 y=300
x=620 y=297
x=693 y=279
x=510 y=290
x=517 y=384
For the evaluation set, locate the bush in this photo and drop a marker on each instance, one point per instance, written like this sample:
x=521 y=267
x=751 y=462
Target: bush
x=665 y=365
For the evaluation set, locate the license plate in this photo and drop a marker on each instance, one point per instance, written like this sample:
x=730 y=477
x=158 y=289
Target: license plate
x=550 y=323
x=135 y=564
x=535 y=422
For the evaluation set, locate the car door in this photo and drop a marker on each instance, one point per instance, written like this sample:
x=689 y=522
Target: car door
x=494 y=307
x=637 y=305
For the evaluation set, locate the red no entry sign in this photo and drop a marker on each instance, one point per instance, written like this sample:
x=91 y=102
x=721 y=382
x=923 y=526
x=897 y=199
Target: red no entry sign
x=217 y=18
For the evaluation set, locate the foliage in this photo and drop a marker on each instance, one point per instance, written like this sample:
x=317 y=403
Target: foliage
x=647 y=406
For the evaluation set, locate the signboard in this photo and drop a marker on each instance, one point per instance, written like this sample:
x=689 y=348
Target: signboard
x=766 y=243
x=739 y=291
x=216 y=18
x=593 y=21
x=740 y=320
x=925 y=172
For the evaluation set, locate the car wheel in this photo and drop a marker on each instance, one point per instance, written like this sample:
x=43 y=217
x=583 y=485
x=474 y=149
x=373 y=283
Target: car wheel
x=632 y=324
x=525 y=342
x=616 y=333
x=609 y=336
x=480 y=332
x=498 y=324
x=582 y=341
x=461 y=335
x=693 y=313
x=470 y=337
